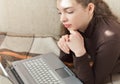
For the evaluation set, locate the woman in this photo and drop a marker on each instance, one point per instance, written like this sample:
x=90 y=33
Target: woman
x=93 y=41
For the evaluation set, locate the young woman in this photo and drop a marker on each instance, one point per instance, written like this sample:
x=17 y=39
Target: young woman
x=93 y=41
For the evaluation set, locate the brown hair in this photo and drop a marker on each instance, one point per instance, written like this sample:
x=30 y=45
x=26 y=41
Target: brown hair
x=101 y=8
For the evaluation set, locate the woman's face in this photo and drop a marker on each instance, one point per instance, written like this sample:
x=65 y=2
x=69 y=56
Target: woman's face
x=73 y=15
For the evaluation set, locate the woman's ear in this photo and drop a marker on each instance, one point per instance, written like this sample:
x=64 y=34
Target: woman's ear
x=91 y=8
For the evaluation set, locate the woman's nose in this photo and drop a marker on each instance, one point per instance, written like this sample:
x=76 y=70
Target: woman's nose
x=63 y=18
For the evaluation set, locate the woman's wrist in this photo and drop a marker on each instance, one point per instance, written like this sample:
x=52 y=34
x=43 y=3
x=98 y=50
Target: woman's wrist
x=80 y=53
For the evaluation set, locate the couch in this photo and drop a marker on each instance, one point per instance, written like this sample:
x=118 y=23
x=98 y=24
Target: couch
x=32 y=27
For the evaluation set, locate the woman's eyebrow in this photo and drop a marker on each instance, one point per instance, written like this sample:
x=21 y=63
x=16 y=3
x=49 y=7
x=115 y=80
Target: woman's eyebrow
x=66 y=8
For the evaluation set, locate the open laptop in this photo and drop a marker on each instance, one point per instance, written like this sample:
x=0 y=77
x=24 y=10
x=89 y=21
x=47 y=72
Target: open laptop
x=43 y=69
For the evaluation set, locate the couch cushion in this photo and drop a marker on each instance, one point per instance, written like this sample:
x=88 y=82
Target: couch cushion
x=29 y=17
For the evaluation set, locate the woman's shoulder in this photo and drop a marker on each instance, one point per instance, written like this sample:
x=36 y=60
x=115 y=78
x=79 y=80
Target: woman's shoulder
x=107 y=29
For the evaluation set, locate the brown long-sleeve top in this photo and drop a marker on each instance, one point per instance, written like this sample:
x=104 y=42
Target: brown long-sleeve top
x=102 y=43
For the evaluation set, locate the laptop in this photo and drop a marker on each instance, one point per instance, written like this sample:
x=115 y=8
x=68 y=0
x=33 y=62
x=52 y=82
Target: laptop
x=42 y=69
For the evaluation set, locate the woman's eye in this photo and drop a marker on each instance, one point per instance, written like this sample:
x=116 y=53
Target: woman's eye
x=69 y=12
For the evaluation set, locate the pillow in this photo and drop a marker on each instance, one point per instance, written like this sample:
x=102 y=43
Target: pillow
x=114 y=6
x=33 y=45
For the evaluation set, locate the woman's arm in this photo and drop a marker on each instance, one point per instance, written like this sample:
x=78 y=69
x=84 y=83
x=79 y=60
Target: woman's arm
x=106 y=57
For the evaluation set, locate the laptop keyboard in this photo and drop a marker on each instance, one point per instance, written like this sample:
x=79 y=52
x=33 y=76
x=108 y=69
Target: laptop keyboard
x=41 y=73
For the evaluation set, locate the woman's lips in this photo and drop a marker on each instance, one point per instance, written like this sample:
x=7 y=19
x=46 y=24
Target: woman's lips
x=67 y=25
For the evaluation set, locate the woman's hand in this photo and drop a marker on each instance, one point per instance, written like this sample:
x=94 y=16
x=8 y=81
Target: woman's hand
x=76 y=43
x=62 y=43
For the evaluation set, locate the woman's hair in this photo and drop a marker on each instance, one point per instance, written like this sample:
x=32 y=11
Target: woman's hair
x=101 y=8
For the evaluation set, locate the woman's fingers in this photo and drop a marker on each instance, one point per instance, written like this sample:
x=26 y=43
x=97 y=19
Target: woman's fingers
x=63 y=45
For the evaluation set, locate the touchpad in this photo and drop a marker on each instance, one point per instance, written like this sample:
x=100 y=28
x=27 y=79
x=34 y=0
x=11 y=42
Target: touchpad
x=63 y=72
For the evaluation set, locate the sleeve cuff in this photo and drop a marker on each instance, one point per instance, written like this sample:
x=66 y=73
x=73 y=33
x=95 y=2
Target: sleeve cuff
x=81 y=58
